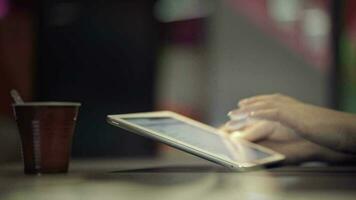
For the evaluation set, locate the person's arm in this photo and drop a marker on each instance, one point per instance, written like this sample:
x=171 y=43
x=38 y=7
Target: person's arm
x=330 y=128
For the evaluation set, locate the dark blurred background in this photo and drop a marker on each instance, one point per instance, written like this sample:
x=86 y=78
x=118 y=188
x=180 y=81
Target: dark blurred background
x=196 y=57
x=103 y=54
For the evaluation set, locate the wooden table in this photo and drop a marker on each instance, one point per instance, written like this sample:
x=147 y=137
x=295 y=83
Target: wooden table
x=176 y=179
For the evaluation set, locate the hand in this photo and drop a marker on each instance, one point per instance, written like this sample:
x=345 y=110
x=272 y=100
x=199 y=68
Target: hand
x=284 y=140
x=336 y=130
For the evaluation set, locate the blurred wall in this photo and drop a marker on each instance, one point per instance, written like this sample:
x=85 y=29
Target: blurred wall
x=244 y=61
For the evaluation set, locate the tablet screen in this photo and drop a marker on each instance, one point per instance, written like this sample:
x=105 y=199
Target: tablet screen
x=197 y=137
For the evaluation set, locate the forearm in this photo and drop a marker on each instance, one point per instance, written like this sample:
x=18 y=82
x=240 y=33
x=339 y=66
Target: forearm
x=338 y=132
x=349 y=134
x=332 y=157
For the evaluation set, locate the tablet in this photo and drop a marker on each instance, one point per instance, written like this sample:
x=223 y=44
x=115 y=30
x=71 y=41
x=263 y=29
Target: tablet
x=196 y=138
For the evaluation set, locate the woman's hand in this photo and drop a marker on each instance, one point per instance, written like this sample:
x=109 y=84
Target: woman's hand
x=283 y=140
x=336 y=130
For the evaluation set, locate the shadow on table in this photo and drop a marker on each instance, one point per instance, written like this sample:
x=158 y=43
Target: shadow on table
x=164 y=175
x=178 y=169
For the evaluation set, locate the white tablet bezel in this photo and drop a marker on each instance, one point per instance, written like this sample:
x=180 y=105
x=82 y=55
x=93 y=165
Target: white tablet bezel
x=117 y=120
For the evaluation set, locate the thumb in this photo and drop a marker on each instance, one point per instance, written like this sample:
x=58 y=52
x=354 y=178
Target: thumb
x=259 y=131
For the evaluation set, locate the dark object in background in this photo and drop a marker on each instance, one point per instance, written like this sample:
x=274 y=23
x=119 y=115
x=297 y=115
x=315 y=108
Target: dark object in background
x=103 y=54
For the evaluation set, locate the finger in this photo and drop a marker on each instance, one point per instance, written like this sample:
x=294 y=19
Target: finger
x=254 y=99
x=222 y=128
x=237 y=116
x=275 y=115
x=256 y=132
x=235 y=125
x=242 y=111
x=229 y=130
x=267 y=114
x=236 y=135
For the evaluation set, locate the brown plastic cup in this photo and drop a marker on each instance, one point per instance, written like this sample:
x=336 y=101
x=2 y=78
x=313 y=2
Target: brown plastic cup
x=46 y=130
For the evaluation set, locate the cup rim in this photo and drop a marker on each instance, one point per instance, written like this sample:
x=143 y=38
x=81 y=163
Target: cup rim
x=48 y=103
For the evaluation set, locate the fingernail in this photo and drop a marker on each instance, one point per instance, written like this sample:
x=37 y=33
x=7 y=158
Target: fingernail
x=237 y=116
x=234 y=112
x=230 y=113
